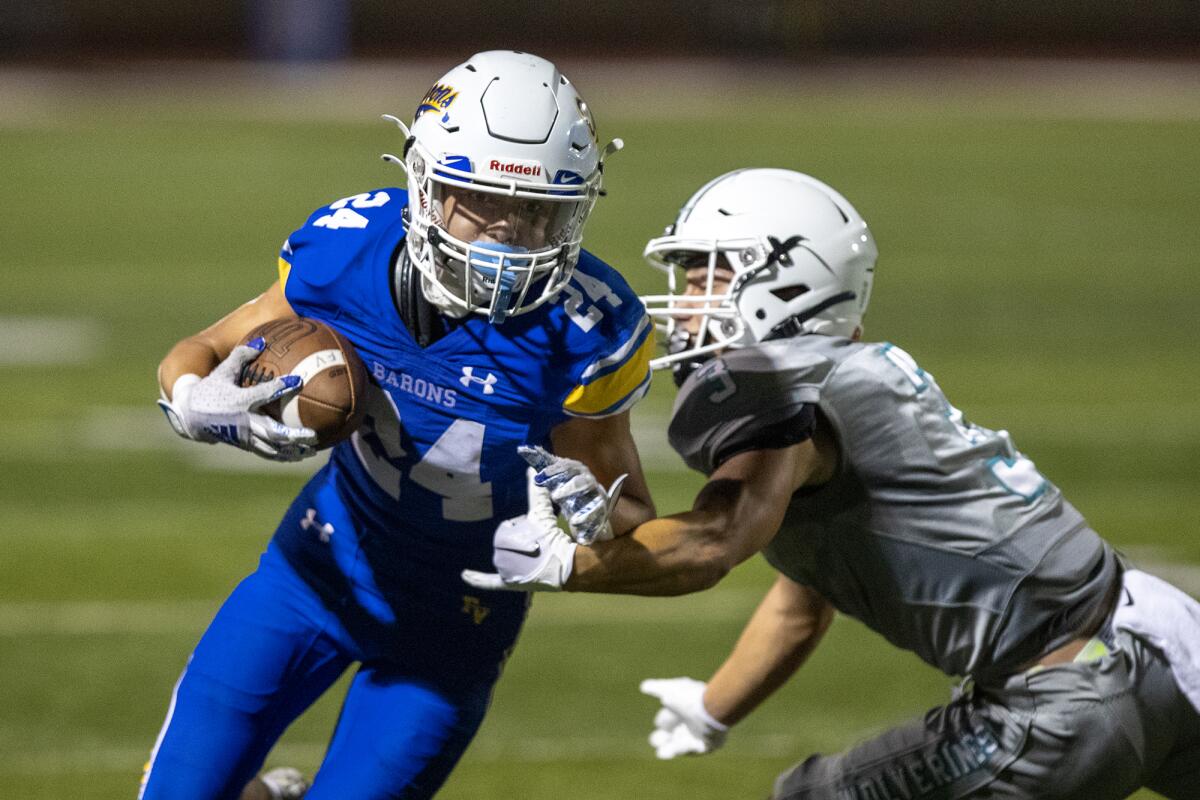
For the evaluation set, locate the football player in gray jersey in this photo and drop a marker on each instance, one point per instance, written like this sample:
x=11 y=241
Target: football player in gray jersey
x=871 y=494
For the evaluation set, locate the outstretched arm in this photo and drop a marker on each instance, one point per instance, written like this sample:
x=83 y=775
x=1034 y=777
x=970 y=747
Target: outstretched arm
x=695 y=717
x=735 y=515
x=782 y=634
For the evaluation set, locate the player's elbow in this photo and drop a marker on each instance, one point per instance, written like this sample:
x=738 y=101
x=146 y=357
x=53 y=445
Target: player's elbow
x=707 y=568
x=168 y=372
x=715 y=555
x=695 y=576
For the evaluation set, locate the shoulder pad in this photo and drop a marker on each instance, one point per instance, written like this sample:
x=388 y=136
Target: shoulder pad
x=345 y=231
x=750 y=398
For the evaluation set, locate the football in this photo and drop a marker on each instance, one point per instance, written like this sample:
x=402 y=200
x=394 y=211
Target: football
x=333 y=397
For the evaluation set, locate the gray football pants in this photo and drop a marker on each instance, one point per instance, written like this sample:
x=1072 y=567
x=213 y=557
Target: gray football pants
x=1080 y=731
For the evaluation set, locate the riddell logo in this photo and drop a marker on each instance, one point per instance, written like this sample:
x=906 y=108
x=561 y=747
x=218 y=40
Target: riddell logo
x=515 y=167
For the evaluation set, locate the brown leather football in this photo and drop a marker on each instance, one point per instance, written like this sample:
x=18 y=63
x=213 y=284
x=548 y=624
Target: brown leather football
x=335 y=382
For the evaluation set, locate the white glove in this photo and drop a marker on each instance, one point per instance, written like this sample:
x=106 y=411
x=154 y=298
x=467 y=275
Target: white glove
x=216 y=409
x=531 y=553
x=584 y=502
x=682 y=726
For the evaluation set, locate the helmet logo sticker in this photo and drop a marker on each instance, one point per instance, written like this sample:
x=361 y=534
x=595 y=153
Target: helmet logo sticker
x=530 y=168
x=781 y=251
x=437 y=99
x=566 y=177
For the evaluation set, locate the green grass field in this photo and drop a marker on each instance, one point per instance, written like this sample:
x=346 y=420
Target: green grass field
x=1038 y=258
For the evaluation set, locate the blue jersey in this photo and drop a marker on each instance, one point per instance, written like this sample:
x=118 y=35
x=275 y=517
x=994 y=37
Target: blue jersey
x=415 y=495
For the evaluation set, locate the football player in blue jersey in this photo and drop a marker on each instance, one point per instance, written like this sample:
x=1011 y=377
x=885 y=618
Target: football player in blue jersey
x=484 y=326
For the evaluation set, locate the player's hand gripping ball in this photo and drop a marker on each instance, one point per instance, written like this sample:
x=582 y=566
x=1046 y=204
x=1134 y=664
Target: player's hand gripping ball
x=333 y=397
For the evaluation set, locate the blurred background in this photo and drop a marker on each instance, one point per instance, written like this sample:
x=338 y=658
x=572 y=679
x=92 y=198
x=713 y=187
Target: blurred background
x=1031 y=172
x=331 y=29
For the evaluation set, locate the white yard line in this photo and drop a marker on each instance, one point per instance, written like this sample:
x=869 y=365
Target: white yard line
x=114 y=618
x=117 y=617
x=36 y=341
x=141 y=428
x=102 y=618
x=487 y=749
x=131 y=429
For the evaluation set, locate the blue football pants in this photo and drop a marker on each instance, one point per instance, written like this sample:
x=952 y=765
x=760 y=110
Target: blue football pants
x=270 y=652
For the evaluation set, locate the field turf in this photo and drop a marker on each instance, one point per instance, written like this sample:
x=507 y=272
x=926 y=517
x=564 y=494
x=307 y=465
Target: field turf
x=1038 y=255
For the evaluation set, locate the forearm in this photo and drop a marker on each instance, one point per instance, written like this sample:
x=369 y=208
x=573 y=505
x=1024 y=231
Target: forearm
x=193 y=356
x=782 y=634
x=200 y=353
x=631 y=511
x=737 y=512
x=606 y=447
x=663 y=557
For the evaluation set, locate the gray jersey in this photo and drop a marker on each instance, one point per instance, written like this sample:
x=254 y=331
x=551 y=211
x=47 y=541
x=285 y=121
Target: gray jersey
x=936 y=533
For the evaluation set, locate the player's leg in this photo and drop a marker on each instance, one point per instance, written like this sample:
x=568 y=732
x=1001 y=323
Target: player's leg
x=261 y=662
x=398 y=736
x=1075 y=730
x=950 y=753
x=1178 y=777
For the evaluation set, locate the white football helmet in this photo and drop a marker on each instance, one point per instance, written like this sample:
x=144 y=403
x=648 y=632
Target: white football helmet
x=507 y=137
x=801 y=258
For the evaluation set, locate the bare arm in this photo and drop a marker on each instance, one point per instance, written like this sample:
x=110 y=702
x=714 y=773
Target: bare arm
x=199 y=353
x=606 y=446
x=782 y=634
x=735 y=515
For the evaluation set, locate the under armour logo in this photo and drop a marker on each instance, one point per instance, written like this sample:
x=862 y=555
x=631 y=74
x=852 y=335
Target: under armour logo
x=468 y=377
x=324 y=531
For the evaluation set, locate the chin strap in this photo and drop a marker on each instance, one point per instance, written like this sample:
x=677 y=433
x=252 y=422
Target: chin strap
x=794 y=325
x=680 y=340
x=420 y=316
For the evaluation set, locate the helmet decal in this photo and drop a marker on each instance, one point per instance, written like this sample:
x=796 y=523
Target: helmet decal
x=438 y=99
x=781 y=252
x=457 y=163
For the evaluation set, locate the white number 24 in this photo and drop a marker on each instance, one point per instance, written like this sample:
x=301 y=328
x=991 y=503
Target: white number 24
x=596 y=290
x=343 y=217
x=450 y=468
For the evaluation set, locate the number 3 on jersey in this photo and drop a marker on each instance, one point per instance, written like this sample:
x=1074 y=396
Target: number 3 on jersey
x=450 y=468
x=1013 y=471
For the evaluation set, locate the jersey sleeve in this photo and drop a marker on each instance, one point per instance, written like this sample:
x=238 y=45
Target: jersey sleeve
x=613 y=372
x=614 y=381
x=753 y=399
x=347 y=232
